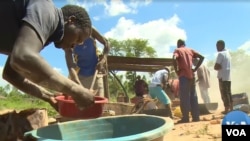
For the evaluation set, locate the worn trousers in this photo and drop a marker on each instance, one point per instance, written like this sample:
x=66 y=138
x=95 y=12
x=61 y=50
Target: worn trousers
x=226 y=94
x=188 y=99
x=160 y=94
x=98 y=85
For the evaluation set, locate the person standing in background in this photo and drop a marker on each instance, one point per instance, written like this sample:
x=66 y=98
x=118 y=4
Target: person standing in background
x=183 y=63
x=83 y=61
x=203 y=79
x=172 y=88
x=223 y=66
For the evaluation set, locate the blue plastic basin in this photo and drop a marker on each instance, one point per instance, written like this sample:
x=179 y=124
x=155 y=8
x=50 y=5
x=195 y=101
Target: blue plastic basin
x=113 y=128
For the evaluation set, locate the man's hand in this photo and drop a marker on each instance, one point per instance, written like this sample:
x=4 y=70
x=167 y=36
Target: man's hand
x=217 y=66
x=85 y=99
x=100 y=65
x=73 y=76
x=94 y=91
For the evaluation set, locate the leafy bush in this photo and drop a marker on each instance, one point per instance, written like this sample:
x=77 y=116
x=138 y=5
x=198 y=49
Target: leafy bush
x=19 y=101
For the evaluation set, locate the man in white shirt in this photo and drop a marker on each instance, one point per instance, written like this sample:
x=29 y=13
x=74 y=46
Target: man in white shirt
x=223 y=66
x=159 y=79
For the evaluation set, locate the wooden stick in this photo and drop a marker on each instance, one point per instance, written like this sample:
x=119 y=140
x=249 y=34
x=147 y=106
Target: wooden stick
x=94 y=78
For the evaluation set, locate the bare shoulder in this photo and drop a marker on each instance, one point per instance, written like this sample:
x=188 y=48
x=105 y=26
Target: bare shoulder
x=68 y=50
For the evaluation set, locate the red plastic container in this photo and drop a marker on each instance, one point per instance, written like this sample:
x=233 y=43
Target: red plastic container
x=68 y=108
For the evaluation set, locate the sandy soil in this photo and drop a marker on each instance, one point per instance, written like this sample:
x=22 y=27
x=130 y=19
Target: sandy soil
x=208 y=129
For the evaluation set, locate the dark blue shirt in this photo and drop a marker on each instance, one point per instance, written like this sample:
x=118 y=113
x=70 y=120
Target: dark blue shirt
x=86 y=57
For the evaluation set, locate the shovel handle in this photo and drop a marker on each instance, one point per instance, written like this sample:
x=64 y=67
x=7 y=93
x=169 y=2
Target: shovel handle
x=93 y=82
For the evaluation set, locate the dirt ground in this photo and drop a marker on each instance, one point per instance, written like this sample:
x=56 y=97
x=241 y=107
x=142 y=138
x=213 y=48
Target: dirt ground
x=208 y=129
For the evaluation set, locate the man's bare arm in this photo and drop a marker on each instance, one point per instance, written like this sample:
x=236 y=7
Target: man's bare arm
x=175 y=64
x=106 y=49
x=201 y=58
x=27 y=86
x=101 y=39
x=28 y=62
x=71 y=65
x=217 y=66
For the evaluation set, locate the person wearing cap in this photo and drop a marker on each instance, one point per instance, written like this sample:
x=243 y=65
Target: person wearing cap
x=183 y=66
x=158 y=82
x=223 y=68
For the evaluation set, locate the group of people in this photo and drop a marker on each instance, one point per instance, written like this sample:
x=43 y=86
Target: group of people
x=187 y=64
x=155 y=89
x=30 y=25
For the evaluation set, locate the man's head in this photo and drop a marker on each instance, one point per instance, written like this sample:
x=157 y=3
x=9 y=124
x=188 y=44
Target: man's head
x=180 y=43
x=138 y=77
x=77 y=26
x=220 y=45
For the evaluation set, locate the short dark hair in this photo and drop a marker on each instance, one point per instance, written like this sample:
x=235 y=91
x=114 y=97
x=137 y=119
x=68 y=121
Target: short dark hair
x=221 y=42
x=180 y=42
x=82 y=16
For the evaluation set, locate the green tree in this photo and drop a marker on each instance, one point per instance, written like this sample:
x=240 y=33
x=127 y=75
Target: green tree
x=136 y=48
x=130 y=48
x=15 y=99
x=4 y=90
